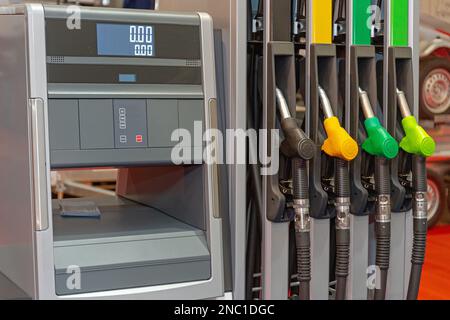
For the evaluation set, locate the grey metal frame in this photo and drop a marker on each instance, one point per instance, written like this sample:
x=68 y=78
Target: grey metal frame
x=275 y=236
x=320 y=229
x=18 y=246
x=401 y=236
x=401 y=225
x=359 y=225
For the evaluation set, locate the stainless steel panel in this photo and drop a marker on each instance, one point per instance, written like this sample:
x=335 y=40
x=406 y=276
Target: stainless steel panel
x=16 y=198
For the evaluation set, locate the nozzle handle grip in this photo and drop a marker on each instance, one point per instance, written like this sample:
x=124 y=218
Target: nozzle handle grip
x=339 y=144
x=297 y=141
x=416 y=141
x=379 y=142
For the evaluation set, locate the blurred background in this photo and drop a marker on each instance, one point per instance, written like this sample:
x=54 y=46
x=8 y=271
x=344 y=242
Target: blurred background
x=435 y=116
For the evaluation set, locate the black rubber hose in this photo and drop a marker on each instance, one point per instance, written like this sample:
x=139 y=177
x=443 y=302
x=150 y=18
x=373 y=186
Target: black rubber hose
x=418 y=257
x=382 y=177
x=253 y=245
x=342 y=189
x=383 y=235
x=420 y=226
x=342 y=262
x=254 y=241
x=302 y=240
x=292 y=261
x=249 y=19
x=250 y=257
x=382 y=227
x=420 y=174
x=342 y=181
x=300 y=179
x=302 y=237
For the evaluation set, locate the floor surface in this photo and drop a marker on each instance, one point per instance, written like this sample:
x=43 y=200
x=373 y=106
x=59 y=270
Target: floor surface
x=436 y=273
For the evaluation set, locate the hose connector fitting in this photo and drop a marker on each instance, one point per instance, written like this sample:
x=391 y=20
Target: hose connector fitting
x=420 y=205
x=302 y=218
x=342 y=206
x=383 y=214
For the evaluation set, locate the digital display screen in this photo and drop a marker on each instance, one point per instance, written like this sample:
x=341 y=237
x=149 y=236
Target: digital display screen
x=125 y=40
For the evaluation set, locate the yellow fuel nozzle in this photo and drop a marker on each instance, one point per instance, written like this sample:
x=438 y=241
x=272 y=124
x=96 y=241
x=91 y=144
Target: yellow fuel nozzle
x=339 y=144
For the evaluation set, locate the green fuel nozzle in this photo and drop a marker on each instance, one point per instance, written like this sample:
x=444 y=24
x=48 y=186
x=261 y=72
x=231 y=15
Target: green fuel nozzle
x=379 y=142
x=416 y=141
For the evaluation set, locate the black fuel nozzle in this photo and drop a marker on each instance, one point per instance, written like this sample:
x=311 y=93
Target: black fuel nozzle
x=300 y=149
x=297 y=143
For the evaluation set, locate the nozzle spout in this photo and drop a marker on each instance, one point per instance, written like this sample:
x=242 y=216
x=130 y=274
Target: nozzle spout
x=366 y=106
x=403 y=104
x=283 y=107
x=326 y=104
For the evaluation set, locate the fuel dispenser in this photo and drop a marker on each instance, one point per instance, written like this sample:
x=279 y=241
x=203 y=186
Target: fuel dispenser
x=408 y=172
x=397 y=80
x=369 y=171
x=294 y=63
x=285 y=207
x=285 y=228
x=329 y=178
x=397 y=55
x=420 y=145
x=339 y=89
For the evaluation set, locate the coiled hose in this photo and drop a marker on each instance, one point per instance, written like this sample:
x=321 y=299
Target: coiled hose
x=302 y=226
x=382 y=224
x=342 y=186
x=420 y=225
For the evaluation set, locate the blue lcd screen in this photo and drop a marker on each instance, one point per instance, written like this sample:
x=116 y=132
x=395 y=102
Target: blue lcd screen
x=125 y=40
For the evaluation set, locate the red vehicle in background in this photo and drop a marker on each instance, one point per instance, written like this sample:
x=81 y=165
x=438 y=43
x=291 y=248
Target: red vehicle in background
x=435 y=102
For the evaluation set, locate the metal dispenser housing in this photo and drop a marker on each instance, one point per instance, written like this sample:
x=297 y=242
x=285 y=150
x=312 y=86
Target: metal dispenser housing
x=77 y=99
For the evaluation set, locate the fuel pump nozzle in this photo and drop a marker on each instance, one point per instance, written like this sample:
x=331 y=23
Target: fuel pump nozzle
x=297 y=143
x=341 y=146
x=418 y=143
x=300 y=148
x=382 y=146
x=379 y=142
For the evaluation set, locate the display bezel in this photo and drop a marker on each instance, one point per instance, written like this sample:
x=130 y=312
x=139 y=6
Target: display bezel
x=173 y=41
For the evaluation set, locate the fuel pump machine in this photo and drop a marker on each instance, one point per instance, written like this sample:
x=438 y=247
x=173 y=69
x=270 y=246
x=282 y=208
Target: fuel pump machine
x=94 y=88
x=109 y=90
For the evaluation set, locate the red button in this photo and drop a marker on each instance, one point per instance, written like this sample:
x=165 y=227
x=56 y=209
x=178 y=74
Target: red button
x=139 y=138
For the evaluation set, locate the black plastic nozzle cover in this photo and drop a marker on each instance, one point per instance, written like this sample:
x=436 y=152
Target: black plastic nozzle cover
x=297 y=143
